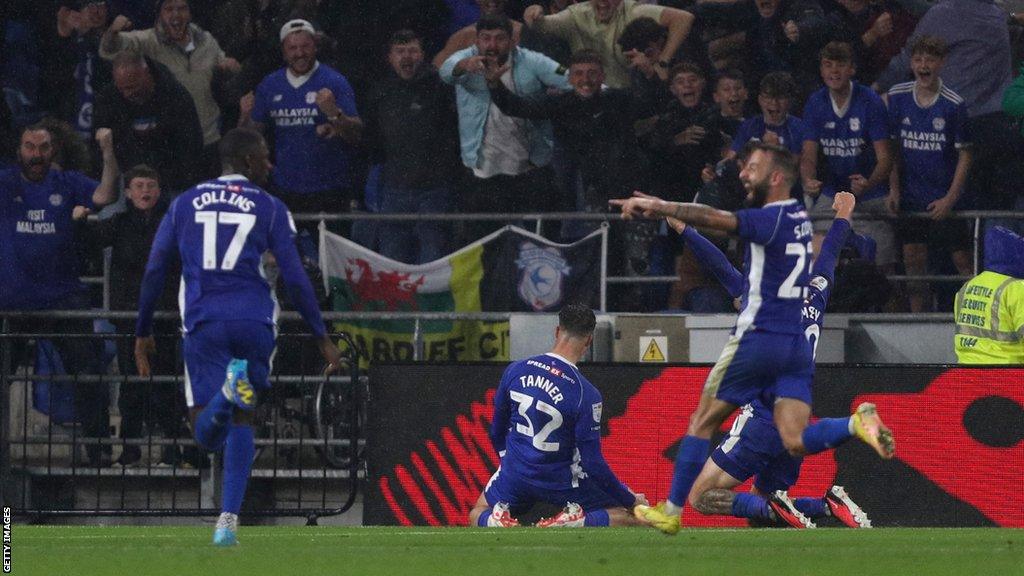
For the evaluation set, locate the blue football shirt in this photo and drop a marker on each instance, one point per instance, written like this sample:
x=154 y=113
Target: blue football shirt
x=39 y=259
x=792 y=133
x=304 y=162
x=221 y=229
x=776 y=266
x=928 y=139
x=543 y=409
x=847 y=137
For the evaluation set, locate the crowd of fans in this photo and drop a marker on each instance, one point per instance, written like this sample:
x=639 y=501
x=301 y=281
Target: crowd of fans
x=478 y=106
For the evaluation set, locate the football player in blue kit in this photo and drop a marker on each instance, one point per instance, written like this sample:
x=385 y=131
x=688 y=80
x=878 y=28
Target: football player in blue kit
x=222 y=229
x=767 y=352
x=547 y=431
x=753 y=446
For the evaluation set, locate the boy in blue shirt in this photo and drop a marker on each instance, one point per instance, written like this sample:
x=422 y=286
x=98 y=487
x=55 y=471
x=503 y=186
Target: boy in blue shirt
x=847 y=122
x=775 y=125
x=547 y=431
x=928 y=122
x=221 y=229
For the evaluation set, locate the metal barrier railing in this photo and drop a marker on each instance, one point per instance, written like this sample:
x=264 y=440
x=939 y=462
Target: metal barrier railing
x=54 y=463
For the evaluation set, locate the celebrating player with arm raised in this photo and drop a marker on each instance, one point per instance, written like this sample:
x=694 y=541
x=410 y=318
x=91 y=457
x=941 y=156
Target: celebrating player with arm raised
x=753 y=446
x=767 y=352
x=222 y=228
x=547 y=430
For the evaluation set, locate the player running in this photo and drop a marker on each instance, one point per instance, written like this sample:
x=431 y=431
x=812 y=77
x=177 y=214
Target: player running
x=547 y=430
x=753 y=446
x=222 y=228
x=767 y=352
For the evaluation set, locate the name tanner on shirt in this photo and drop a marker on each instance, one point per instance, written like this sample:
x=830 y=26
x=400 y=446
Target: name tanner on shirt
x=531 y=381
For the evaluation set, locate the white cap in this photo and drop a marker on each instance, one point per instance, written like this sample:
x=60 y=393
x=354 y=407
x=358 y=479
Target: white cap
x=297 y=25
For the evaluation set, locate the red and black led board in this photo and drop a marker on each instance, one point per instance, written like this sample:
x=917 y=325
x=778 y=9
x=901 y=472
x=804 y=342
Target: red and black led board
x=959 y=440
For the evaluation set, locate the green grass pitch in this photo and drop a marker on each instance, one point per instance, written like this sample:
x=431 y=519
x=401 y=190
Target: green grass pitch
x=308 y=551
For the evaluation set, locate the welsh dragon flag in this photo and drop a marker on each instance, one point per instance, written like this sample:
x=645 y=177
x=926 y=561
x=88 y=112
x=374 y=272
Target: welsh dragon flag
x=510 y=270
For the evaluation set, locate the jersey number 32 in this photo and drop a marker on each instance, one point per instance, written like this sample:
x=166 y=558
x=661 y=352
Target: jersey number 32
x=539 y=438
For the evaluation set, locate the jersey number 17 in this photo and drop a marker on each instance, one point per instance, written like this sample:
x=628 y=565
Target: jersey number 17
x=244 y=222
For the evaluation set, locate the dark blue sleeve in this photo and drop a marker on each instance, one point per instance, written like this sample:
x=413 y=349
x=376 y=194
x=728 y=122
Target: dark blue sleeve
x=501 y=419
x=282 y=245
x=601 y=474
x=164 y=248
x=345 y=98
x=261 y=106
x=587 y=434
x=82 y=187
x=758 y=225
x=812 y=120
x=714 y=261
x=877 y=118
x=825 y=264
x=742 y=135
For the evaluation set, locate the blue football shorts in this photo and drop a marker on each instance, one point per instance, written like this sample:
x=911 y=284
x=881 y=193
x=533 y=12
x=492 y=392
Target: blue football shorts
x=210 y=346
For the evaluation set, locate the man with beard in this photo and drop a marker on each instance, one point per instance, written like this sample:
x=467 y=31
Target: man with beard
x=193 y=56
x=753 y=446
x=767 y=352
x=310 y=109
x=39 y=267
x=221 y=230
x=508 y=156
x=466 y=37
x=411 y=127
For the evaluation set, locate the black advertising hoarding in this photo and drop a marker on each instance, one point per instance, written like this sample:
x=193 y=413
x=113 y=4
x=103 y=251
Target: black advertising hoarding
x=959 y=437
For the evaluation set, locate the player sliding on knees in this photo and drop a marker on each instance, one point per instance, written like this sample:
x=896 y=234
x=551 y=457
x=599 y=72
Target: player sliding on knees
x=222 y=229
x=547 y=430
x=767 y=352
x=753 y=447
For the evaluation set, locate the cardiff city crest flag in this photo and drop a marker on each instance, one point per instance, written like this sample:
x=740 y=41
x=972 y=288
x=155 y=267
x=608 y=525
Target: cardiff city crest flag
x=510 y=270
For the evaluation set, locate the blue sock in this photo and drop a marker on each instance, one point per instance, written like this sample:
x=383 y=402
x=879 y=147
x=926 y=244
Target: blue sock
x=482 y=520
x=826 y=433
x=690 y=459
x=239 y=451
x=748 y=505
x=596 y=518
x=811 y=507
x=213 y=422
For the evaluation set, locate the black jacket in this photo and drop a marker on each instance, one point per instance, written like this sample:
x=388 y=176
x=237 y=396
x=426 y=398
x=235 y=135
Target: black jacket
x=130 y=235
x=596 y=134
x=676 y=167
x=163 y=132
x=412 y=128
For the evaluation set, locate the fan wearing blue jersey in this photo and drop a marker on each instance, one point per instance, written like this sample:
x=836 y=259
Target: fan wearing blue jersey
x=222 y=230
x=847 y=123
x=754 y=447
x=310 y=109
x=928 y=122
x=775 y=125
x=767 y=352
x=547 y=430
